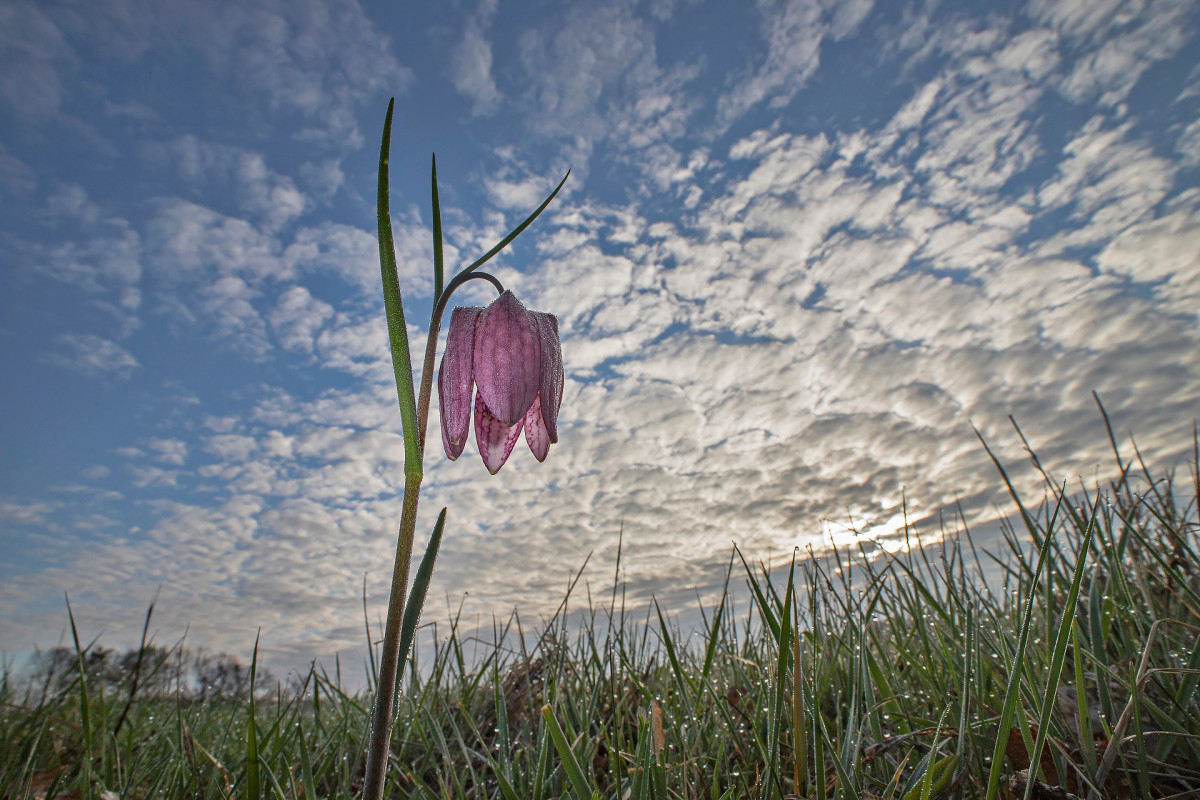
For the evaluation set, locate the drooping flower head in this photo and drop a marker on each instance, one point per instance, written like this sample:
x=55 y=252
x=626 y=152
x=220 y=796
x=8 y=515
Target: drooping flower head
x=514 y=357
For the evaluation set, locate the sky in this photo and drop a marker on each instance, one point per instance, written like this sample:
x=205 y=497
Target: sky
x=806 y=248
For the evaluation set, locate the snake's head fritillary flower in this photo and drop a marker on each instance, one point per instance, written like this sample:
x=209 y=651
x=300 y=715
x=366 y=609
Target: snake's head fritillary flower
x=513 y=356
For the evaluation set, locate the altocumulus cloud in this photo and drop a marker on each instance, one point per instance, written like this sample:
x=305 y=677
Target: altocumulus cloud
x=790 y=275
x=92 y=356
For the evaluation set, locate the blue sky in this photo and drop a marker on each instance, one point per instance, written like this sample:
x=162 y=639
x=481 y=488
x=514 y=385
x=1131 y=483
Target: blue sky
x=805 y=245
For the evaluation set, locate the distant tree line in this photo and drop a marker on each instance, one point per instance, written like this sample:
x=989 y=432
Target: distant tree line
x=148 y=671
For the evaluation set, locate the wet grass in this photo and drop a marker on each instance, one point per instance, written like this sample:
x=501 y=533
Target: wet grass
x=849 y=675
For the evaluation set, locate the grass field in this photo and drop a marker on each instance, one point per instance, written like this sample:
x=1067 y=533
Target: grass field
x=893 y=675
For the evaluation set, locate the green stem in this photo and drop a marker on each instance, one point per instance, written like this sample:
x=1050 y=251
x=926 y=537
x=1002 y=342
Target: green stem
x=389 y=663
x=389 y=666
x=414 y=414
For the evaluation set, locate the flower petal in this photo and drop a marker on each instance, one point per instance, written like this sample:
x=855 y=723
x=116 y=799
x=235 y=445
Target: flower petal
x=495 y=439
x=508 y=357
x=454 y=380
x=535 y=430
x=550 y=385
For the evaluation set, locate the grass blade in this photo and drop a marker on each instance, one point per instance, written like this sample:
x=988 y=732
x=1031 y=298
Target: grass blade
x=85 y=711
x=1060 y=652
x=306 y=772
x=1014 y=676
x=799 y=731
x=253 y=789
x=686 y=689
x=570 y=763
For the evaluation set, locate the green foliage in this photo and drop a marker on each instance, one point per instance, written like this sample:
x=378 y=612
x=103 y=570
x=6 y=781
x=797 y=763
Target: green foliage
x=916 y=682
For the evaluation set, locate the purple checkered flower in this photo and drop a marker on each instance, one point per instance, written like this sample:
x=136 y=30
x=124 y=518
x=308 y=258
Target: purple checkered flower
x=514 y=358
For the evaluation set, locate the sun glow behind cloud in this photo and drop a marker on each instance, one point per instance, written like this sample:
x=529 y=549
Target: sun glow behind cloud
x=790 y=272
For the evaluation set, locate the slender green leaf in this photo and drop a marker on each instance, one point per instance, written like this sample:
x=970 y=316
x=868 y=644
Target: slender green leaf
x=1058 y=657
x=773 y=784
x=437 y=238
x=579 y=781
x=416 y=596
x=306 y=771
x=1014 y=678
x=514 y=233
x=253 y=789
x=799 y=724
x=764 y=607
x=394 y=309
x=85 y=711
x=686 y=688
x=710 y=648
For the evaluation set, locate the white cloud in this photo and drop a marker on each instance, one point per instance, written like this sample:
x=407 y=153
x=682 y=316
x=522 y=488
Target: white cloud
x=813 y=337
x=913 y=113
x=518 y=195
x=275 y=197
x=1033 y=52
x=71 y=202
x=228 y=304
x=323 y=179
x=979 y=137
x=1076 y=18
x=267 y=197
x=231 y=447
x=32 y=53
x=1165 y=251
x=1117 y=42
x=92 y=356
x=1108 y=179
x=16 y=178
x=471 y=63
x=1188 y=144
x=848 y=15
x=352 y=254
x=310 y=59
x=28 y=513
x=170 y=451
x=105 y=263
x=358 y=346
x=215 y=268
x=297 y=318
x=190 y=240
x=599 y=51
x=233 y=276
x=793 y=30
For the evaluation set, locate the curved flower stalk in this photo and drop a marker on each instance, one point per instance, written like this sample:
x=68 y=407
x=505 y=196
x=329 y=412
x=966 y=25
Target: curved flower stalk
x=512 y=355
x=514 y=358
